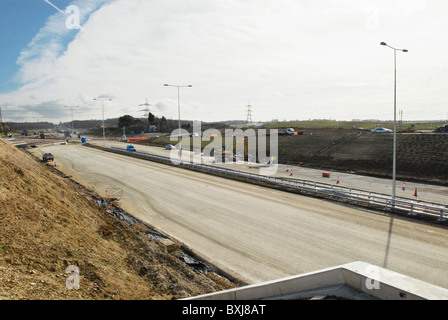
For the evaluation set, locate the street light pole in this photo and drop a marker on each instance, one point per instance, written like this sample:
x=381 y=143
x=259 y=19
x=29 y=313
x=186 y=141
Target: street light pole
x=394 y=161
x=178 y=110
x=73 y=123
x=102 y=106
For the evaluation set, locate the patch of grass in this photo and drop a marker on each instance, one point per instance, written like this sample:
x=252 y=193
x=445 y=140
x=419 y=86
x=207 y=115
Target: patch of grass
x=163 y=141
x=367 y=125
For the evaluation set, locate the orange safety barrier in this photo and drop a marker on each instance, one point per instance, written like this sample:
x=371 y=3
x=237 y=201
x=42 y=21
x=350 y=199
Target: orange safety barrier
x=137 y=139
x=326 y=174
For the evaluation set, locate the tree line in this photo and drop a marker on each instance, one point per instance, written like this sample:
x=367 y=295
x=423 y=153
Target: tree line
x=161 y=123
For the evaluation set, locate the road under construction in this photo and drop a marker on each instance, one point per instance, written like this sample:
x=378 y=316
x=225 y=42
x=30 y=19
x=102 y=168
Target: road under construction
x=256 y=233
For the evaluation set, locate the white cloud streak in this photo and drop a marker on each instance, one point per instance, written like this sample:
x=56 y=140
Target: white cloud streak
x=290 y=59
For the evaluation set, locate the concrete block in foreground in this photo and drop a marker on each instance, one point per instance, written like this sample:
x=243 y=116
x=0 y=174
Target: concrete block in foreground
x=353 y=281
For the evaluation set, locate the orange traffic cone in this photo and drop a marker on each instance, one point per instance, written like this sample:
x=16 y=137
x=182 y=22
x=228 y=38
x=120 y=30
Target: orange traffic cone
x=415 y=193
x=404 y=187
x=337 y=182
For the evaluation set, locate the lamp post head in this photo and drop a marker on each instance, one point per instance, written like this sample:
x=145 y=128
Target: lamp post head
x=178 y=86
x=385 y=44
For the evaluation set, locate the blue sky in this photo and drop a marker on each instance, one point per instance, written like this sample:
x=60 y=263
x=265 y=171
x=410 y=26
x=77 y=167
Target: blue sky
x=20 y=20
x=290 y=59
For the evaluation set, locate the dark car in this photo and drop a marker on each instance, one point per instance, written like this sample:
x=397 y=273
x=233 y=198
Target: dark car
x=47 y=157
x=442 y=129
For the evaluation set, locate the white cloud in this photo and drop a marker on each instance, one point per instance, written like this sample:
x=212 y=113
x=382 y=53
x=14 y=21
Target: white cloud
x=290 y=59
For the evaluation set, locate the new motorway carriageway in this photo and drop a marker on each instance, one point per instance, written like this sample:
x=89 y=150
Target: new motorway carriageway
x=257 y=233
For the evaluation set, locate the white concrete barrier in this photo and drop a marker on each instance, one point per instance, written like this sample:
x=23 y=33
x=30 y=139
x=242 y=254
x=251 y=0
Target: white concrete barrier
x=357 y=281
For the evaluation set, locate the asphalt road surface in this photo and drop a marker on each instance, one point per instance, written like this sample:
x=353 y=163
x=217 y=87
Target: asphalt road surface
x=255 y=233
x=425 y=191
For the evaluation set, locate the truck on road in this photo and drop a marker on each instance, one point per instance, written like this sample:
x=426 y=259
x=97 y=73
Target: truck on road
x=130 y=147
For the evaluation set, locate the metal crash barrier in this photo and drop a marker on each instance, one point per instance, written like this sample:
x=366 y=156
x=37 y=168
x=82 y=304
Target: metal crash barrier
x=373 y=200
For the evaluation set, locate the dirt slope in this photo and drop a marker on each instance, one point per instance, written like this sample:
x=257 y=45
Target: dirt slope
x=420 y=156
x=48 y=223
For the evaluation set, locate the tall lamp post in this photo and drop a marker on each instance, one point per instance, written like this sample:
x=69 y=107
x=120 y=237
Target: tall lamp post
x=394 y=169
x=178 y=110
x=73 y=122
x=102 y=106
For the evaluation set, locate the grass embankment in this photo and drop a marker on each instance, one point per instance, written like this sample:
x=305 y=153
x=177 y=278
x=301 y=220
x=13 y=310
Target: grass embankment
x=367 y=125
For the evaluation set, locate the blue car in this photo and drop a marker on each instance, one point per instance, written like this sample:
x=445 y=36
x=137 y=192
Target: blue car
x=130 y=147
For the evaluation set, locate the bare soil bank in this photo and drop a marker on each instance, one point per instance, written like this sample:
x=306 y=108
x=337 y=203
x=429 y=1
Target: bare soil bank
x=48 y=222
x=420 y=156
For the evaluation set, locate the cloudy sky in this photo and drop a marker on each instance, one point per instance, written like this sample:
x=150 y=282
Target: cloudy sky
x=288 y=59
